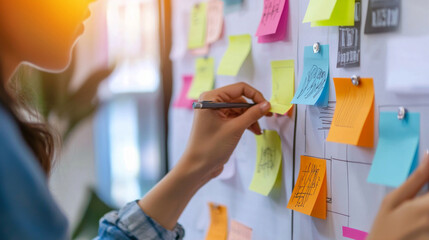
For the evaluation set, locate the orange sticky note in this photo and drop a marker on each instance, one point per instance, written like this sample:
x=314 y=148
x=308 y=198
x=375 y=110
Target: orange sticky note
x=218 y=229
x=239 y=231
x=353 y=121
x=309 y=193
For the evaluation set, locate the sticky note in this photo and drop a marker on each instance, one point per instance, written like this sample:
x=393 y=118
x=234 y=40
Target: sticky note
x=283 y=78
x=353 y=121
x=330 y=13
x=268 y=162
x=238 y=49
x=354 y=233
x=397 y=150
x=218 y=229
x=313 y=88
x=183 y=101
x=239 y=231
x=309 y=193
x=232 y=2
x=281 y=31
x=214 y=20
x=202 y=51
x=342 y=15
x=203 y=79
x=271 y=15
x=198 y=26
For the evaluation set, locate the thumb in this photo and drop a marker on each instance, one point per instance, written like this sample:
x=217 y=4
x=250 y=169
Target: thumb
x=252 y=115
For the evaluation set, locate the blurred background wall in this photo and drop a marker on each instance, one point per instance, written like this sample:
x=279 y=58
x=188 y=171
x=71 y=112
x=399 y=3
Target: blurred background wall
x=110 y=109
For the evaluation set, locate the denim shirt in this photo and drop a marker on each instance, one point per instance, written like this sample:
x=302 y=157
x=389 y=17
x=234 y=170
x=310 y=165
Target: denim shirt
x=28 y=210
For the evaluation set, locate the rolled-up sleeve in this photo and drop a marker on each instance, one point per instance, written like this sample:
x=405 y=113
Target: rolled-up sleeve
x=131 y=222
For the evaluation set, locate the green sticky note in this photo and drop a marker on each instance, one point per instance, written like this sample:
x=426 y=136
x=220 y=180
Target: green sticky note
x=268 y=162
x=343 y=15
x=283 y=78
x=203 y=79
x=318 y=10
x=198 y=26
x=238 y=49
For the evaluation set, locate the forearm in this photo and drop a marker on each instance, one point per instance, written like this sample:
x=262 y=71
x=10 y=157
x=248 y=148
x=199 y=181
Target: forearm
x=167 y=200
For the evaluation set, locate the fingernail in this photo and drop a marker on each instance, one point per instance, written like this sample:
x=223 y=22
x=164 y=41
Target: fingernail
x=265 y=106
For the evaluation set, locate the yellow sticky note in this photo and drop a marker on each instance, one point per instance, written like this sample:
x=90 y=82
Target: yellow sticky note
x=198 y=26
x=268 y=162
x=283 y=77
x=330 y=13
x=353 y=121
x=238 y=49
x=309 y=193
x=239 y=231
x=218 y=229
x=318 y=10
x=342 y=15
x=203 y=78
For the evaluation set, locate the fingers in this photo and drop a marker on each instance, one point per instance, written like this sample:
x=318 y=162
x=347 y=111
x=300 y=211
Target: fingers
x=232 y=92
x=251 y=116
x=255 y=128
x=412 y=186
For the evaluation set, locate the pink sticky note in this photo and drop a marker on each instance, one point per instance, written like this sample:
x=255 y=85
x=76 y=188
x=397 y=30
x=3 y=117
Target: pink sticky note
x=183 y=101
x=214 y=20
x=200 y=51
x=270 y=17
x=239 y=231
x=354 y=233
x=281 y=31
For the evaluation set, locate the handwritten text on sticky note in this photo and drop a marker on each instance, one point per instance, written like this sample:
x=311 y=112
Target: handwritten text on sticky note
x=203 y=79
x=271 y=15
x=353 y=121
x=313 y=88
x=198 y=25
x=268 y=162
x=281 y=31
x=309 y=193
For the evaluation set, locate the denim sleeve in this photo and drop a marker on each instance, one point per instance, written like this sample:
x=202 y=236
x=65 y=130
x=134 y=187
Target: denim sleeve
x=132 y=223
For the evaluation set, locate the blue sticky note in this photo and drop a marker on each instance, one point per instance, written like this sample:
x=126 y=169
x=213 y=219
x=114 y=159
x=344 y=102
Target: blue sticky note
x=232 y=2
x=396 y=156
x=314 y=85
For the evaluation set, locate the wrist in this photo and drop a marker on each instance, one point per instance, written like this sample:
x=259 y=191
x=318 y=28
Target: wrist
x=194 y=166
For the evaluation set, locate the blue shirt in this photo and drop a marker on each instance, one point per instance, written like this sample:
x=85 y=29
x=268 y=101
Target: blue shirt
x=28 y=210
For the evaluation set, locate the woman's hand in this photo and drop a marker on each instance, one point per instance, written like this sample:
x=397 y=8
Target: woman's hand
x=402 y=215
x=215 y=133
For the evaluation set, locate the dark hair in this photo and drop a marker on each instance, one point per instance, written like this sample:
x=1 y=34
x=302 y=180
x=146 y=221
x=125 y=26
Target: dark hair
x=35 y=133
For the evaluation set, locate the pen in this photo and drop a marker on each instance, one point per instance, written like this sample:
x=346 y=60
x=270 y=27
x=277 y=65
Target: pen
x=216 y=105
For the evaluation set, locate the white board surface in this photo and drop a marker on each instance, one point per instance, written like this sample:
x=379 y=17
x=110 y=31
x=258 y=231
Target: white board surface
x=351 y=200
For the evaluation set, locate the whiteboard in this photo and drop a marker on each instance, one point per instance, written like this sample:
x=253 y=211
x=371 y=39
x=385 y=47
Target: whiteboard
x=351 y=200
